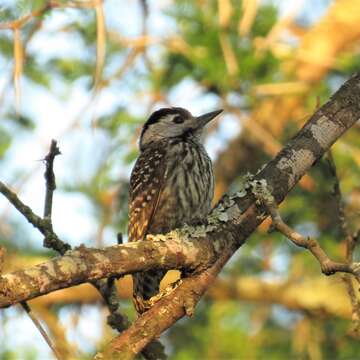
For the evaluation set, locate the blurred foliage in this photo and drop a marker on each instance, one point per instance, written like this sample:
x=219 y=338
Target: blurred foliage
x=232 y=66
x=200 y=30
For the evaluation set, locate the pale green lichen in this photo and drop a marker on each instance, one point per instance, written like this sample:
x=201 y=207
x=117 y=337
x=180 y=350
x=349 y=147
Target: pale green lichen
x=70 y=266
x=296 y=164
x=217 y=246
x=239 y=194
x=262 y=216
x=245 y=180
x=261 y=190
x=101 y=259
x=261 y=168
x=33 y=273
x=233 y=213
x=243 y=186
x=49 y=269
x=188 y=231
x=224 y=217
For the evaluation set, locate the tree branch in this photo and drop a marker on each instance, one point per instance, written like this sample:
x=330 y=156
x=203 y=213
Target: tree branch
x=85 y=264
x=193 y=249
x=164 y=313
x=243 y=215
x=43 y=225
x=57 y=245
x=328 y=267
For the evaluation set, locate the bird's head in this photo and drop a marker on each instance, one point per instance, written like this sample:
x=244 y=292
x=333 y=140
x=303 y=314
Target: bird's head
x=173 y=122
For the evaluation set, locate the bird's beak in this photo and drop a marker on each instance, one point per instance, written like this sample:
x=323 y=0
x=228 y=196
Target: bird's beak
x=202 y=120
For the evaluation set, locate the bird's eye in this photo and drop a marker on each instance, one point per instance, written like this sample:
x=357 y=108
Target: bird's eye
x=178 y=119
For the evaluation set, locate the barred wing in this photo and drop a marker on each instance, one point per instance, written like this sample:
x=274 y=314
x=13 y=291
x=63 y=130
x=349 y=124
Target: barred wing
x=146 y=182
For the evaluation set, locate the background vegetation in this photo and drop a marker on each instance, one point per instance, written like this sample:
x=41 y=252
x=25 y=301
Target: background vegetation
x=88 y=73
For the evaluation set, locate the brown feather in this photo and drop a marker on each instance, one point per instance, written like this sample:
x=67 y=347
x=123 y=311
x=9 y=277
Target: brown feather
x=146 y=182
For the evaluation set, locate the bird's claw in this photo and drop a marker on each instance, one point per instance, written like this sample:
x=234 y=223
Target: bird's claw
x=167 y=291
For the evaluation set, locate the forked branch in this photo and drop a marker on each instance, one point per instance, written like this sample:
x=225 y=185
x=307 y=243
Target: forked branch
x=328 y=266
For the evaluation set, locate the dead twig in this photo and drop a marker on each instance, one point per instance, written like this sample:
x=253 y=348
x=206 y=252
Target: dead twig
x=42 y=331
x=50 y=187
x=27 y=309
x=43 y=225
x=328 y=266
x=350 y=244
x=50 y=178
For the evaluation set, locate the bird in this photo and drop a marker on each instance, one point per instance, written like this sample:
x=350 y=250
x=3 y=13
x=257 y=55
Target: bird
x=171 y=184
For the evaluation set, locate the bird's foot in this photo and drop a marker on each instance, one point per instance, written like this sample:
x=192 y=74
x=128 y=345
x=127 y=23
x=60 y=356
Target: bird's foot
x=168 y=290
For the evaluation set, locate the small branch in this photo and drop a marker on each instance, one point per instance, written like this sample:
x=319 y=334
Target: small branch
x=337 y=193
x=355 y=304
x=27 y=309
x=350 y=238
x=119 y=322
x=57 y=332
x=42 y=331
x=52 y=241
x=43 y=225
x=328 y=267
x=85 y=264
x=50 y=178
x=25 y=210
x=178 y=303
x=350 y=242
x=17 y=24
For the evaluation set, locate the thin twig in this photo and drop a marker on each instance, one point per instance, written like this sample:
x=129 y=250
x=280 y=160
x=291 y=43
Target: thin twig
x=42 y=331
x=350 y=237
x=27 y=308
x=355 y=304
x=338 y=197
x=50 y=178
x=328 y=267
x=18 y=23
x=43 y=225
x=350 y=242
x=144 y=33
x=50 y=187
x=118 y=321
x=25 y=210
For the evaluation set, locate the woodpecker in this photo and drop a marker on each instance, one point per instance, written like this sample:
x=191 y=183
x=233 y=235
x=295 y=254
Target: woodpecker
x=171 y=184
